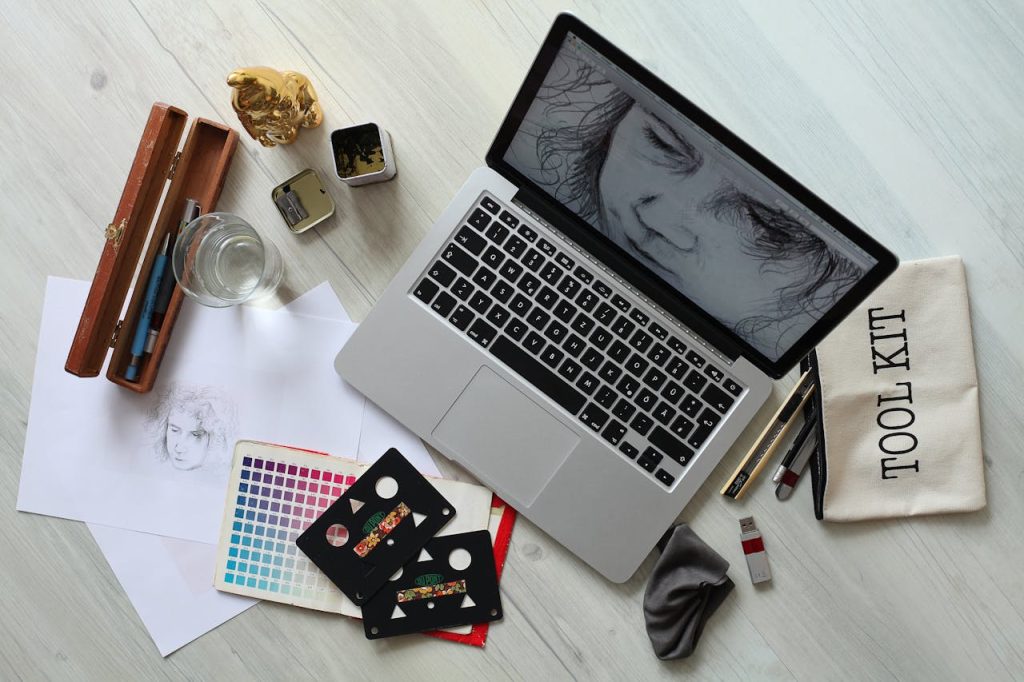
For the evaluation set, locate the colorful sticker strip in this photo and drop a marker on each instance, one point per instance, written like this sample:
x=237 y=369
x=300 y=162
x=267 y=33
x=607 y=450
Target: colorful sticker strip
x=274 y=494
x=385 y=526
x=432 y=591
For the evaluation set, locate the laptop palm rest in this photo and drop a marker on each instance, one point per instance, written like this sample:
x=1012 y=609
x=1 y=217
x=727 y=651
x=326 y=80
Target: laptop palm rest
x=502 y=433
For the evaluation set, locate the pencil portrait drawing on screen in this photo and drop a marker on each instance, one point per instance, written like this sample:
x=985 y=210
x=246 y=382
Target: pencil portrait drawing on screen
x=663 y=191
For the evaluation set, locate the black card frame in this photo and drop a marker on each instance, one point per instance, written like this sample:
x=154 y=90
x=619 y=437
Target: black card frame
x=360 y=511
x=380 y=618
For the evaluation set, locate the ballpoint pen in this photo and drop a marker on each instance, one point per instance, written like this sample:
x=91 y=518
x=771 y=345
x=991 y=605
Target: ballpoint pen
x=810 y=421
x=163 y=297
x=156 y=275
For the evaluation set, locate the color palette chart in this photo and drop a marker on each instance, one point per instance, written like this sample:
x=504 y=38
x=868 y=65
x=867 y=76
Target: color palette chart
x=274 y=494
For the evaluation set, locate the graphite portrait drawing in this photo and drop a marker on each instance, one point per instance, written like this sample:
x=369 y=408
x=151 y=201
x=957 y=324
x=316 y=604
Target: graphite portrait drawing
x=678 y=204
x=192 y=427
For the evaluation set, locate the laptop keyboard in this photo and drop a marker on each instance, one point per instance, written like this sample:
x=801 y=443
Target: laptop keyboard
x=590 y=347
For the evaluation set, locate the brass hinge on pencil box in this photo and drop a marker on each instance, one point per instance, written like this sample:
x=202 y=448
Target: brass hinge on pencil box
x=196 y=171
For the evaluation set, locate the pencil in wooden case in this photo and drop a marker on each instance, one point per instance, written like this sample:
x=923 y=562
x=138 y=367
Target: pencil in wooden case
x=769 y=440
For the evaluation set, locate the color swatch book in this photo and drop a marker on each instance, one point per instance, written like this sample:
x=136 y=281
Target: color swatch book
x=274 y=494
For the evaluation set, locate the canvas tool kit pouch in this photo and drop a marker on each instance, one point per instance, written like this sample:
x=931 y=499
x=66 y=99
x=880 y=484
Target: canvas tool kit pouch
x=900 y=433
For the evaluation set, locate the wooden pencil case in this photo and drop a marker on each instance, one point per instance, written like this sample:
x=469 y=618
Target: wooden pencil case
x=196 y=171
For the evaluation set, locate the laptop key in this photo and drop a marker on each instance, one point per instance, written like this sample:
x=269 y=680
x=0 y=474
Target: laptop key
x=527 y=233
x=425 y=291
x=605 y=314
x=614 y=432
x=628 y=450
x=533 y=259
x=461 y=317
x=443 y=304
x=570 y=370
x=717 y=398
x=546 y=246
x=514 y=246
x=442 y=273
x=587 y=300
x=493 y=257
x=670 y=445
x=565 y=311
x=592 y=358
x=497 y=233
x=672 y=392
x=498 y=316
x=677 y=368
x=636 y=365
x=509 y=219
x=694 y=381
x=520 y=305
x=552 y=356
x=551 y=273
x=645 y=400
x=681 y=426
x=664 y=413
x=565 y=261
x=641 y=340
x=547 y=297
x=587 y=383
x=538 y=318
x=610 y=372
x=618 y=351
x=658 y=354
x=621 y=303
x=694 y=359
x=511 y=271
x=533 y=342
x=569 y=287
x=639 y=317
x=583 y=275
x=624 y=409
x=469 y=239
x=650 y=459
x=665 y=477
x=463 y=289
x=691 y=406
x=593 y=416
x=602 y=288
x=502 y=291
x=655 y=378
x=713 y=372
x=623 y=327
x=601 y=338
x=459 y=259
x=529 y=284
x=676 y=345
x=479 y=219
x=556 y=332
x=641 y=423
x=658 y=330
x=482 y=333
x=732 y=387
x=537 y=375
x=583 y=324
x=574 y=345
x=628 y=386
x=516 y=329
x=606 y=396
x=699 y=435
x=484 y=278
x=480 y=302
x=490 y=205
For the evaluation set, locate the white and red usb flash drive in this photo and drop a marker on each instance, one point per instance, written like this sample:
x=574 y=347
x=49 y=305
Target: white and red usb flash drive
x=753 y=549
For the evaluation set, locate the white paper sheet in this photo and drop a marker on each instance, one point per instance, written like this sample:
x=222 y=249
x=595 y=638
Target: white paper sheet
x=99 y=453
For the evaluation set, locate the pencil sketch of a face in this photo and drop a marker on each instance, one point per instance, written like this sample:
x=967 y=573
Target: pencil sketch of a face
x=192 y=427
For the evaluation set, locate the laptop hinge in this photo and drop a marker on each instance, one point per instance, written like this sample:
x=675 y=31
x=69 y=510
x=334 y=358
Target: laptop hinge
x=568 y=243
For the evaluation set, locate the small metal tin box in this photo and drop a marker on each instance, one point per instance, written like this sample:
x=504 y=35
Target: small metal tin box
x=302 y=201
x=362 y=154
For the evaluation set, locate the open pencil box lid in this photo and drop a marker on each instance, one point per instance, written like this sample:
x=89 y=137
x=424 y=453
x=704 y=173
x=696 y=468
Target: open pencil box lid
x=196 y=171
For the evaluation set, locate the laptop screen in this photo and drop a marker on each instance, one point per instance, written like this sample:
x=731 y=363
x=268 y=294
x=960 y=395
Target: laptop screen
x=681 y=203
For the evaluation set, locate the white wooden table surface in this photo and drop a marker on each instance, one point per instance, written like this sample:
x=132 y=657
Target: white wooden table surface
x=908 y=117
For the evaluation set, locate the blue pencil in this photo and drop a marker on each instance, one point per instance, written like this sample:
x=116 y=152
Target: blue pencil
x=142 y=328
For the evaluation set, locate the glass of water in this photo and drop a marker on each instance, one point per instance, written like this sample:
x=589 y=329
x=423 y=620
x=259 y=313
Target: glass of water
x=220 y=260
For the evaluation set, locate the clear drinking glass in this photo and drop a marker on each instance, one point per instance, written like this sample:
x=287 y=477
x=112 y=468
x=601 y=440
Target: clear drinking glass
x=220 y=260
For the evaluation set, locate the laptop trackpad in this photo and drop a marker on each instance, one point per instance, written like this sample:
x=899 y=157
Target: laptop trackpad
x=506 y=436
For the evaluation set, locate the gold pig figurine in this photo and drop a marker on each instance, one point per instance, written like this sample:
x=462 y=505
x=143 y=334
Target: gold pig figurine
x=272 y=104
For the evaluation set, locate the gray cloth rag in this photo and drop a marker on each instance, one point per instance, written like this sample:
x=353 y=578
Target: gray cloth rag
x=687 y=585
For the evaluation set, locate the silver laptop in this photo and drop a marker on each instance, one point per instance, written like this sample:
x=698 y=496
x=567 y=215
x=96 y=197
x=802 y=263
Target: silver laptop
x=601 y=310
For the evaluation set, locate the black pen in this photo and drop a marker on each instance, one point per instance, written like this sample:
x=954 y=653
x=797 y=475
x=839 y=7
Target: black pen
x=810 y=421
x=163 y=297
